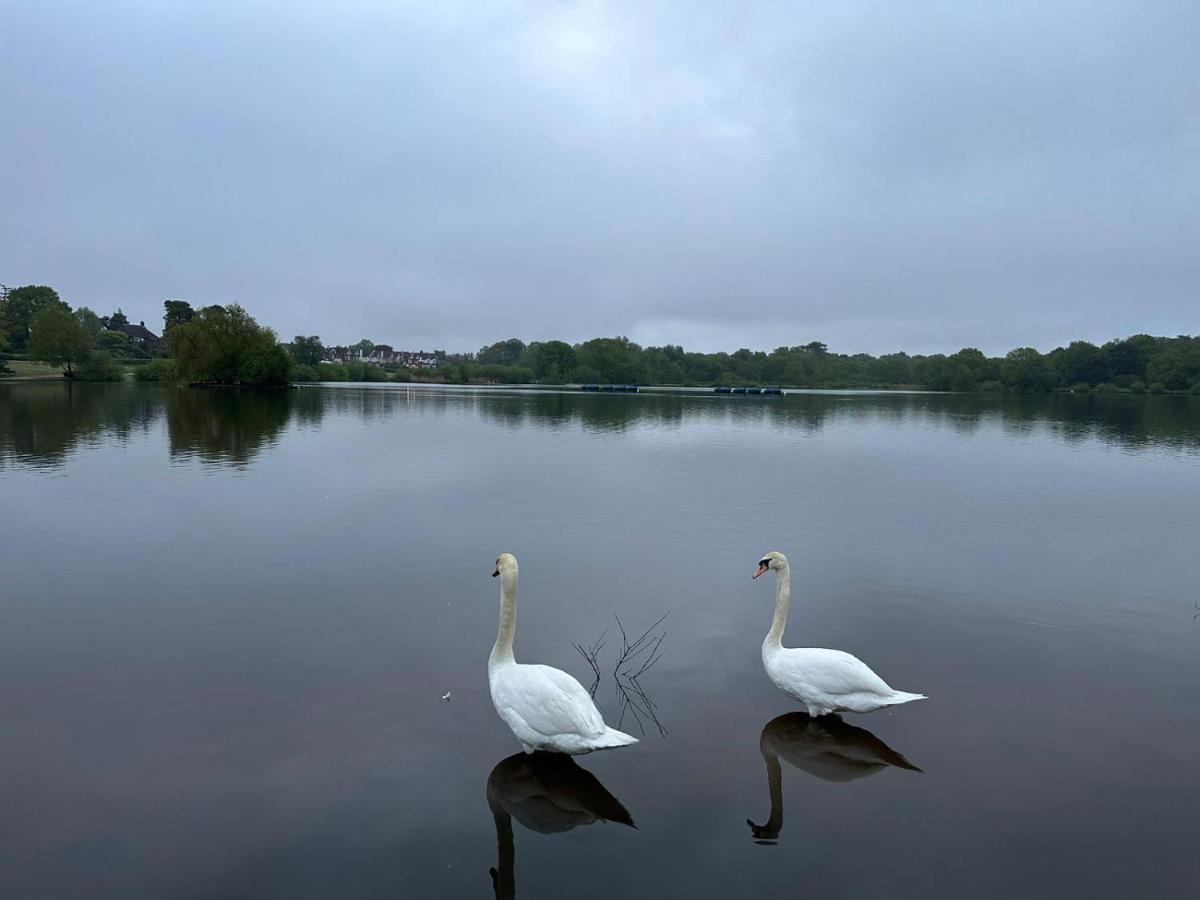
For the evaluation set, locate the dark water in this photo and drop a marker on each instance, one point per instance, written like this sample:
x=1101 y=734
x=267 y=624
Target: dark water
x=229 y=621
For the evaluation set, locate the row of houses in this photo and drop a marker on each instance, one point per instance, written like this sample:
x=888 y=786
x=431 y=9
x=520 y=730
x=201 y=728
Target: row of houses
x=383 y=353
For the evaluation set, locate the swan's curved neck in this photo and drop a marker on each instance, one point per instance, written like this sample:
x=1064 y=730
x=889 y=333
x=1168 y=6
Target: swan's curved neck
x=502 y=650
x=783 y=596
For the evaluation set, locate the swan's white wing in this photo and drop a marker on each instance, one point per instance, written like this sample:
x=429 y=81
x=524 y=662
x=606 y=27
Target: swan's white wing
x=832 y=672
x=547 y=700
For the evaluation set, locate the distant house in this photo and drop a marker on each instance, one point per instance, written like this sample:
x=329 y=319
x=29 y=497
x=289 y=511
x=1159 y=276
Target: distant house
x=141 y=335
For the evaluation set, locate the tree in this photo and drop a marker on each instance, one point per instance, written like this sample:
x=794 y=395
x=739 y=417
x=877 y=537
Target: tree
x=116 y=321
x=307 y=351
x=22 y=305
x=817 y=347
x=1177 y=366
x=224 y=345
x=57 y=338
x=176 y=312
x=551 y=361
x=1025 y=369
x=89 y=320
x=1080 y=363
x=502 y=353
x=112 y=340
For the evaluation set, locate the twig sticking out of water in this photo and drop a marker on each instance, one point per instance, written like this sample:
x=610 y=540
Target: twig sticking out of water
x=590 y=654
x=632 y=697
x=635 y=660
x=645 y=647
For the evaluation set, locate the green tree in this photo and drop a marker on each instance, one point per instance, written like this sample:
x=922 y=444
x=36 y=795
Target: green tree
x=1025 y=369
x=365 y=347
x=308 y=351
x=112 y=340
x=551 y=361
x=116 y=320
x=176 y=312
x=502 y=353
x=57 y=338
x=1080 y=363
x=89 y=320
x=1127 y=358
x=618 y=360
x=1176 y=367
x=224 y=345
x=22 y=305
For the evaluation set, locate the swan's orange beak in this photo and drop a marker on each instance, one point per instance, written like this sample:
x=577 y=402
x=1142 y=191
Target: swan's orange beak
x=763 y=568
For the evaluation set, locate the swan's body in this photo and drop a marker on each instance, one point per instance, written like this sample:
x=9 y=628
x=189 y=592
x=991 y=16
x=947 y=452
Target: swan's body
x=828 y=749
x=825 y=681
x=545 y=707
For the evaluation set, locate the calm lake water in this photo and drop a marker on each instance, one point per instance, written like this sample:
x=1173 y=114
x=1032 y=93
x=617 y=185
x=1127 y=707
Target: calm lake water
x=229 y=621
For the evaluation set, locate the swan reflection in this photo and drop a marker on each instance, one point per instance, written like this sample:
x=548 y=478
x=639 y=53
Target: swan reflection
x=548 y=793
x=825 y=747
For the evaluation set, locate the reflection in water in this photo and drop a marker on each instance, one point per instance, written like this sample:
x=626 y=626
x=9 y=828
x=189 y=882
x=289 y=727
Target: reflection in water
x=227 y=426
x=548 y=793
x=825 y=747
x=42 y=422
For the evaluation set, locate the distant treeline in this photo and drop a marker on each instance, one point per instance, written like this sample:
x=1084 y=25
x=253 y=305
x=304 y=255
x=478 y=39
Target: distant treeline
x=224 y=345
x=1141 y=363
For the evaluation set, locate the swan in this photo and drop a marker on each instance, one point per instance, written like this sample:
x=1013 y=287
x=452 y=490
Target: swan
x=545 y=707
x=827 y=748
x=548 y=793
x=825 y=681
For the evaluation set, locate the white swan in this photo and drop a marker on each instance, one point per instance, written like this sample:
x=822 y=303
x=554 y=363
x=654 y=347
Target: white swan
x=546 y=708
x=825 y=681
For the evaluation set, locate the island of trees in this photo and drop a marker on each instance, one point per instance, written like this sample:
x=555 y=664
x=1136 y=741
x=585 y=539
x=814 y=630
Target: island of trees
x=224 y=345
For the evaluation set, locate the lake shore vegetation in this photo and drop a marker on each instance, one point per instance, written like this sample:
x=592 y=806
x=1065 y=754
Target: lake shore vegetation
x=225 y=345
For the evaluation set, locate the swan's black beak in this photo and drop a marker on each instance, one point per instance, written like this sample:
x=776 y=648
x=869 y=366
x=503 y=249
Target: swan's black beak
x=763 y=568
x=497 y=572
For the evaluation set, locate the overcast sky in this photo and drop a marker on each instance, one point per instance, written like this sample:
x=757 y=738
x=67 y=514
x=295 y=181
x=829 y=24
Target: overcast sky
x=879 y=176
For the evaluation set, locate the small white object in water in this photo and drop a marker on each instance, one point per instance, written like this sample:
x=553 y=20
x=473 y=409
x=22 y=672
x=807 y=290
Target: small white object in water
x=446 y=696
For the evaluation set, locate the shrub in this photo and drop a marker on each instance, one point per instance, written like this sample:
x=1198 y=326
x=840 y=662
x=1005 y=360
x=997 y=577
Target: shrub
x=1106 y=387
x=1138 y=387
x=1158 y=388
x=304 y=372
x=1080 y=387
x=156 y=370
x=99 y=366
x=992 y=387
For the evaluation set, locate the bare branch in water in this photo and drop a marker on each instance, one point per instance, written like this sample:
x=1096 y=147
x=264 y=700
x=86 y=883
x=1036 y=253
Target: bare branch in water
x=590 y=654
x=646 y=645
x=635 y=658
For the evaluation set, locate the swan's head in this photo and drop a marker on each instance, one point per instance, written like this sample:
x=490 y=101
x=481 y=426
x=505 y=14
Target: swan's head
x=773 y=560
x=506 y=564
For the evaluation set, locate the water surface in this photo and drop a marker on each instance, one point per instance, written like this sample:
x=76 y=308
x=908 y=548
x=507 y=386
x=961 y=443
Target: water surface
x=230 y=620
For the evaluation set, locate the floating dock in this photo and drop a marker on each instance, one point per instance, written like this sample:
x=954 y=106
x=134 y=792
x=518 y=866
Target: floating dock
x=764 y=391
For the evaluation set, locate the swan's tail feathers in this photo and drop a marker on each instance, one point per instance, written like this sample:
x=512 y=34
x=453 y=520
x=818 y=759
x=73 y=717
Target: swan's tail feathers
x=899 y=697
x=613 y=738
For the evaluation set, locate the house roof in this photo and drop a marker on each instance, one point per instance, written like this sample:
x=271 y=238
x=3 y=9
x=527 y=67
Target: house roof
x=139 y=331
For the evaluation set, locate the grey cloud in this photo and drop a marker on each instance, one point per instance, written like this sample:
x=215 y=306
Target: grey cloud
x=875 y=176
